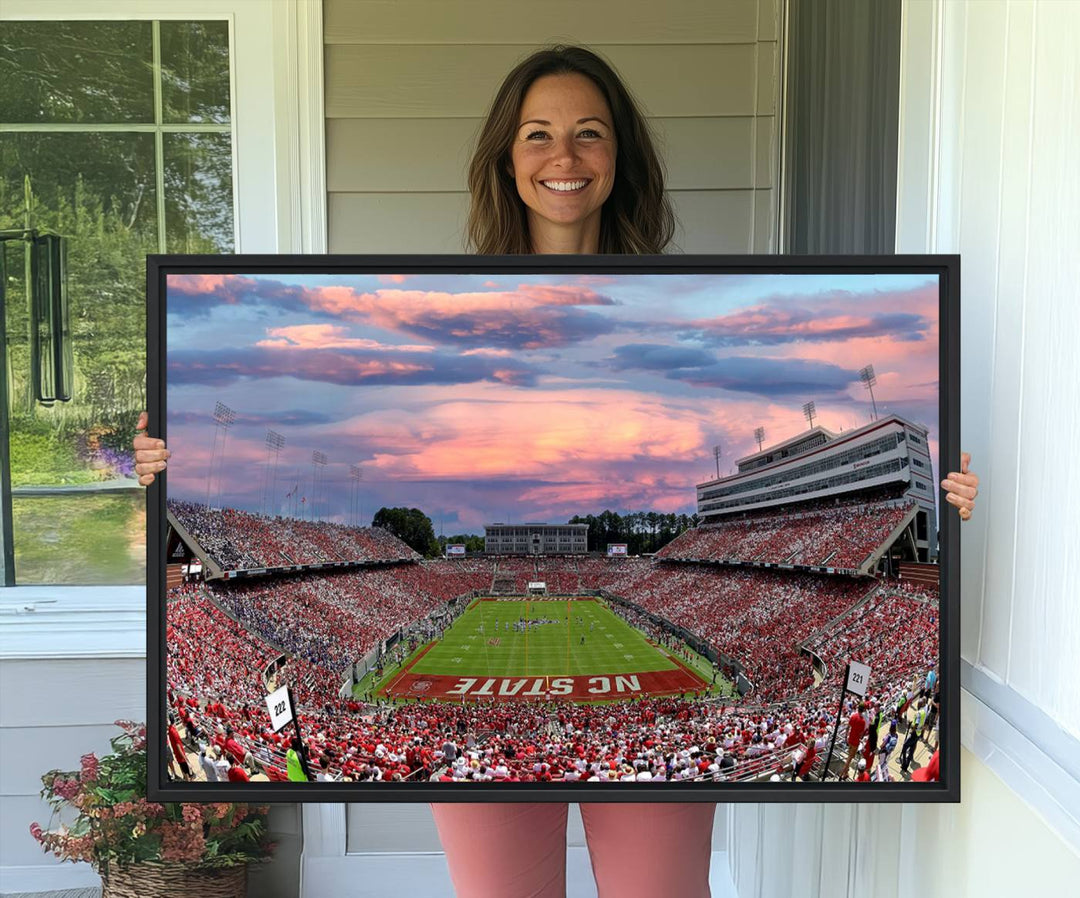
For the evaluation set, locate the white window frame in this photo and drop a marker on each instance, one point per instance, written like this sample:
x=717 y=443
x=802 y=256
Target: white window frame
x=276 y=88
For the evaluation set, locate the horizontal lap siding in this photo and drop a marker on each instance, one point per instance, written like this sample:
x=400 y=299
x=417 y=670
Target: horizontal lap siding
x=459 y=81
x=477 y=22
x=80 y=699
x=408 y=84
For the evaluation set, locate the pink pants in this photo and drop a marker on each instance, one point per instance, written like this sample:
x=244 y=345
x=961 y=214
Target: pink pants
x=519 y=850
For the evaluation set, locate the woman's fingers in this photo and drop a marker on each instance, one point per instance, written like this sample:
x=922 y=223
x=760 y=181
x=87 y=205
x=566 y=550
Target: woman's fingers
x=961 y=487
x=150 y=453
x=966 y=485
x=144 y=456
x=959 y=501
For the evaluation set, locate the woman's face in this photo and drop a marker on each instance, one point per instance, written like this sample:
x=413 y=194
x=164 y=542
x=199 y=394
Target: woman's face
x=563 y=155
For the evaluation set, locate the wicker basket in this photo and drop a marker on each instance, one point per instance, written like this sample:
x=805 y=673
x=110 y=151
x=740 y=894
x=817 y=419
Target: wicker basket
x=171 y=880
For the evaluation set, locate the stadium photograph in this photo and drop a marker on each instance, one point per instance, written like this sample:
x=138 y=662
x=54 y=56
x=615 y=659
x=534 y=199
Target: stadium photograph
x=552 y=529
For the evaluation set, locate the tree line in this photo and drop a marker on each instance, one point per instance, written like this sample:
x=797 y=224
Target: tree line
x=641 y=531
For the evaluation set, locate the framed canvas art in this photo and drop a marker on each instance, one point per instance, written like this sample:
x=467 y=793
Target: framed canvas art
x=587 y=528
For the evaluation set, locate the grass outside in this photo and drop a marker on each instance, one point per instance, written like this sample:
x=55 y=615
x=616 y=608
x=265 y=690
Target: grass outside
x=80 y=539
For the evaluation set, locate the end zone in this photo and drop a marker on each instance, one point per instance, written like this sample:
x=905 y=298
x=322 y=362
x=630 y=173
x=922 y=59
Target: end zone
x=597 y=687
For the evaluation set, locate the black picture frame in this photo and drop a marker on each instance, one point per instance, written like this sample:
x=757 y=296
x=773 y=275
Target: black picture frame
x=946 y=267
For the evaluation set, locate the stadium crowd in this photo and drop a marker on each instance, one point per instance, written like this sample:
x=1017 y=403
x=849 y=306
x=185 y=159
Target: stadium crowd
x=842 y=537
x=228 y=642
x=239 y=540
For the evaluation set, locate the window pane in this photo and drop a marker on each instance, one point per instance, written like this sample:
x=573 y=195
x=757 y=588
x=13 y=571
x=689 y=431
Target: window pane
x=79 y=179
x=198 y=193
x=195 y=72
x=82 y=540
x=76 y=72
x=79 y=516
x=98 y=191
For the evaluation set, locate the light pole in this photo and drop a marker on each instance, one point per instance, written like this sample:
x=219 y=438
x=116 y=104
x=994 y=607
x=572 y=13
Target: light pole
x=223 y=419
x=357 y=474
x=866 y=375
x=318 y=462
x=274 y=444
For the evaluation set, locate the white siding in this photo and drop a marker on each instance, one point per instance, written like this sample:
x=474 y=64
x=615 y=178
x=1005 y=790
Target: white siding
x=408 y=83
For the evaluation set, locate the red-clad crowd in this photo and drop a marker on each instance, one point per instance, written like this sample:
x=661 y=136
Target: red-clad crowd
x=334 y=618
x=757 y=616
x=842 y=537
x=224 y=636
x=240 y=540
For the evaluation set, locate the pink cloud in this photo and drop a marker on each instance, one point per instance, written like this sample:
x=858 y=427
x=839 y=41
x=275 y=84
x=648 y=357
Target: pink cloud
x=833 y=317
x=330 y=336
x=393 y=307
x=474 y=432
x=529 y=317
x=488 y=351
x=201 y=283
x=393 y=278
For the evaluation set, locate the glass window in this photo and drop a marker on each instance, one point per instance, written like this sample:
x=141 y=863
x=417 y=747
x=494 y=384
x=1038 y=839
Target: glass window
x=118 y=137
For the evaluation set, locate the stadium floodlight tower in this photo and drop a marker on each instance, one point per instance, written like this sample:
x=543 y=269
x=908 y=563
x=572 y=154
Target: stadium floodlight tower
x=866 y=375
x=318 y=463
x=275 y=442
x=717 y=452
x=223 y=419
x=809 y=411
x=357 y=474
x=759 y=435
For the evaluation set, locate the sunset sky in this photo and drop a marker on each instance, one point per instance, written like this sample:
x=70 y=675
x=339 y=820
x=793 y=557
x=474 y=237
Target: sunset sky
x=524 y=397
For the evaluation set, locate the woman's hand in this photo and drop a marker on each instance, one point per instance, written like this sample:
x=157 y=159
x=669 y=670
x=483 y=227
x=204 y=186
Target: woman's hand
x=961 y=487
x=150 y=454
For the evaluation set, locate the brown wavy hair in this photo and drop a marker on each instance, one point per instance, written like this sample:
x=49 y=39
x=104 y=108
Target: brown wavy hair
x=637 y=216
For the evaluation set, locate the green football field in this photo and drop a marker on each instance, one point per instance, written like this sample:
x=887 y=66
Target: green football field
x=580 y=637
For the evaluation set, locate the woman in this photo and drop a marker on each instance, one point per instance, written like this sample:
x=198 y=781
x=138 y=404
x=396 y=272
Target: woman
x=565 y=164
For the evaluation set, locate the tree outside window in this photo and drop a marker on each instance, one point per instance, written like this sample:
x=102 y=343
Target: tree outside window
x=117 y=136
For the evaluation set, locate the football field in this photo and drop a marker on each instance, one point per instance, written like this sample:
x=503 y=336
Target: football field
x=555 y=648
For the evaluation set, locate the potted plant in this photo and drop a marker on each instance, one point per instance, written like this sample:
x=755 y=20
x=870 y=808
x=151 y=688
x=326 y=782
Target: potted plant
x=144 y=848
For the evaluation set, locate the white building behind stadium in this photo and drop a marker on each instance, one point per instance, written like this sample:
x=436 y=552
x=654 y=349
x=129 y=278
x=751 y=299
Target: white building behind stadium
x=536 y=539
x=887 y=458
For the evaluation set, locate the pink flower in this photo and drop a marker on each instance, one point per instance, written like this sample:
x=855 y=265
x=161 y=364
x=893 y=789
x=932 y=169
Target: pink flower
x=192 y=813
x=89 y=767
x=65 y=788
x=151 y=808
x=180 y=842
x=36 y=832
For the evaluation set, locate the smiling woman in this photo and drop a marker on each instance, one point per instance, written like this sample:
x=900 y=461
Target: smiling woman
x=563 y=162
x=563 y=117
